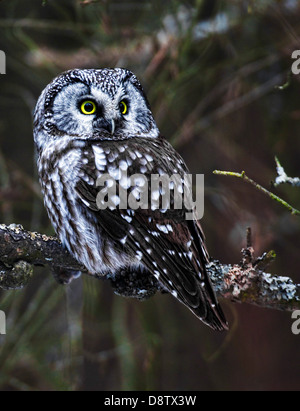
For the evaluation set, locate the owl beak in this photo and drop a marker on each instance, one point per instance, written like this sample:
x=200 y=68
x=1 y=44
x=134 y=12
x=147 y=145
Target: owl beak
x=103 y=124
x=112 y=126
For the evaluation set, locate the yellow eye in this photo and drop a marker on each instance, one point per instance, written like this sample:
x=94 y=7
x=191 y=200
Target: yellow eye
x=88 y=107
x=123 y=107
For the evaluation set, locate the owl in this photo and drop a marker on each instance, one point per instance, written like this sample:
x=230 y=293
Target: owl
x=90 y=124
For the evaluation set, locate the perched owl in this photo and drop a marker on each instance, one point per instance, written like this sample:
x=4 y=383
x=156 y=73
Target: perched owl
x=94 y=123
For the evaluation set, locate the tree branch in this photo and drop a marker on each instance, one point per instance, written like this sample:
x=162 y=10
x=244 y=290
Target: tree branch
x=21 y=249
x=273 y=196
x=251 y=285
x=247 y=282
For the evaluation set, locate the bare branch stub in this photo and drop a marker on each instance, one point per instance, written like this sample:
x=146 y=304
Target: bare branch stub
x=249 y=237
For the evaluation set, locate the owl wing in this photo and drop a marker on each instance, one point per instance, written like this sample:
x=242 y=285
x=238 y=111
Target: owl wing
x=169 y=246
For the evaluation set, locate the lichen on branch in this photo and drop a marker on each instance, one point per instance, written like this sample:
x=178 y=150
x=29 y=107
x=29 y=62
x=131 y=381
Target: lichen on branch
x=20 y=250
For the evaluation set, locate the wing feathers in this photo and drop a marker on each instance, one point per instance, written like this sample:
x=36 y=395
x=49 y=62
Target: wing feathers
x=171 y=248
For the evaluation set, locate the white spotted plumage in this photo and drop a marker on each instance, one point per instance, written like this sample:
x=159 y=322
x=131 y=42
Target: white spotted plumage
x=75 y=149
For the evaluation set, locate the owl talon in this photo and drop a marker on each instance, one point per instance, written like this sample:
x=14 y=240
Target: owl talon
x=64 y=276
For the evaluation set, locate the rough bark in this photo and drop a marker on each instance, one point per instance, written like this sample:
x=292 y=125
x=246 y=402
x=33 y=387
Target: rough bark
x=247 y=281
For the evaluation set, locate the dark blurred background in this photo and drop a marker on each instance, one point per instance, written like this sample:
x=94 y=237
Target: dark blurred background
x=212 y=71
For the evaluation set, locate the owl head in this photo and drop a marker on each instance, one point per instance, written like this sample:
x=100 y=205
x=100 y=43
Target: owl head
x=93 y=104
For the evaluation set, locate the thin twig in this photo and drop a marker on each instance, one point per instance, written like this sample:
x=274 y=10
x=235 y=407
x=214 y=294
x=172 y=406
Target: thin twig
x=273 y=196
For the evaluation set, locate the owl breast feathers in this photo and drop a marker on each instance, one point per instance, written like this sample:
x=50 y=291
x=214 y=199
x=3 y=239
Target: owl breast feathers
x=99 y=153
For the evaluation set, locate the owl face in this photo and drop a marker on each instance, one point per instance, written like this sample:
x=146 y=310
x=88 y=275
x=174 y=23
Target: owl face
x=93 y=104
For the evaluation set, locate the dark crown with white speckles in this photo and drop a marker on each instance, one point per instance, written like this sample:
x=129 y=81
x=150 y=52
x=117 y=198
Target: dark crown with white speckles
x=108 y=80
